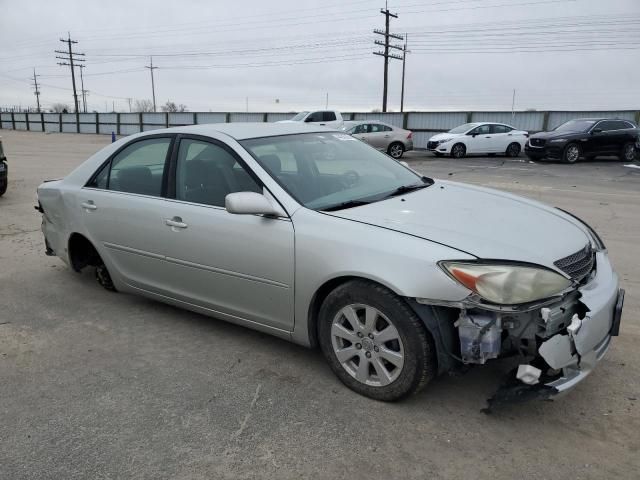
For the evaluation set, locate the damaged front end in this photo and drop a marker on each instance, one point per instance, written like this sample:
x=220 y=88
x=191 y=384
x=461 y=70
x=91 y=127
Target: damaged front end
x=559 y=341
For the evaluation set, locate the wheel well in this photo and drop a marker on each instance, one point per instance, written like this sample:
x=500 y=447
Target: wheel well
x=82 y=252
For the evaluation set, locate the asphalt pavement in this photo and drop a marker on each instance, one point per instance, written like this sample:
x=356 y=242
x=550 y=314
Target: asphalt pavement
x=101 y=385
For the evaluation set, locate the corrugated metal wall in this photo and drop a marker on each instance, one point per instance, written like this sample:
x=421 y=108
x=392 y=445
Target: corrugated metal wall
x=424 y=124
x=529 y=121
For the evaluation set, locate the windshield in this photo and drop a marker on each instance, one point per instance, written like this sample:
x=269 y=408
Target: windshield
x=326 y=170
x=575 y=126
x=463 y=128
x=299 y=117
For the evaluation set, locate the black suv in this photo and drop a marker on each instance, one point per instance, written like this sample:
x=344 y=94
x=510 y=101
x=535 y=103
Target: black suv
x=585 y=138
x=3 y=171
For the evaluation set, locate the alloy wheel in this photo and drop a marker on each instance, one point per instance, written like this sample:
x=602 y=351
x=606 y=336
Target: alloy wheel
x=573 y=153
x=395 y=151
x=367 y=345
x=629 y=152
x=458 y=151
x=514 y=150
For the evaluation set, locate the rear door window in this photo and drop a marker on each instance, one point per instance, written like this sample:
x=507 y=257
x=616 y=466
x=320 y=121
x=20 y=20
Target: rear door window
x=500 y=129
x=138 y=168
x=328 y=116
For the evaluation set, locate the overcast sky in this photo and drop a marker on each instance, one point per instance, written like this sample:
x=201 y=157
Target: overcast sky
x=286 y=55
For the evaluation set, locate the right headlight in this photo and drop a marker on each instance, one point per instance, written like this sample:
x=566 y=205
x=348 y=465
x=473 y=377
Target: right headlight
x=444 y=140
x=506 y=284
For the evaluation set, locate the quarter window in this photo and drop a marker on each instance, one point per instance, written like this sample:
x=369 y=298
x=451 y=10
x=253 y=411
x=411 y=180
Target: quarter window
x=206 y=173
x=139 y=168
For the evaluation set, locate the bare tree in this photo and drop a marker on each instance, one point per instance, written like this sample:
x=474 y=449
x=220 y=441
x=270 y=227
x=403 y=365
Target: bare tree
x=172 y=107
x=59 y=107
x=143 y=106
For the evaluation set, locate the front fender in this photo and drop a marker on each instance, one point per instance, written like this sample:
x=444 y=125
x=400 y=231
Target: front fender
x=329 y=247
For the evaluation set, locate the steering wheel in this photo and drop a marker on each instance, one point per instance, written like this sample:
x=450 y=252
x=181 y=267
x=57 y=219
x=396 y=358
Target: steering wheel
x=350 y=178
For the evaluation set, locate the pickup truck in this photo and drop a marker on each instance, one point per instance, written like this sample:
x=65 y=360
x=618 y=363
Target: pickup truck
x=329 y=118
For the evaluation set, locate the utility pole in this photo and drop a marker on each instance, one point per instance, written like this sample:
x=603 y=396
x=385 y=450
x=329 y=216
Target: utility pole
x=513 y=105
x=129 y=100
x=69 y=58
x=404 y=59
x=84 y=92
x=153 y=87
x=387 y=35
x=326 y=102
x=37 y=91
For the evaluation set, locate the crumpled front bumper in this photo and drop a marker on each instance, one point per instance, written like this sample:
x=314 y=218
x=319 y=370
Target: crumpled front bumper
x=575 y=352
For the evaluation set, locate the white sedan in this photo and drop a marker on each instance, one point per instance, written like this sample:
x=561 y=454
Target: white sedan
x=479 y=137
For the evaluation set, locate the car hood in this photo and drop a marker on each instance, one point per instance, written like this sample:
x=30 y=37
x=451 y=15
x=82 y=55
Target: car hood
x=486 y=223
x=441 y=136
x=551 y=135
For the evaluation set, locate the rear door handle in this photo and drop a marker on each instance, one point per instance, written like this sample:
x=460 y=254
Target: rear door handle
x=89 y=205
x=175 y=222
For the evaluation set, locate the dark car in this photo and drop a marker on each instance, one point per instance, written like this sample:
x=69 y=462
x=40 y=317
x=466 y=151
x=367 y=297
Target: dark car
x=585 y=138
x=3 y=171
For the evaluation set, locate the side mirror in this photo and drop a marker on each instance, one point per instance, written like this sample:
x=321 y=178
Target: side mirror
x=596 y=130
x=308 y=119
x=249 y=203
x=473 y=134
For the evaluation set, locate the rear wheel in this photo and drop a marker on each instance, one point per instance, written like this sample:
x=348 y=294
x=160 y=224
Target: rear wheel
x=458 y=150
x=374 y=342
x=628 y=152
x=513 y=150
x=395 y=150
x=571 y=153
x=103 y=277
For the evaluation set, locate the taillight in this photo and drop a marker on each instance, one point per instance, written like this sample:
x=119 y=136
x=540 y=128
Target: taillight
x=410 y=133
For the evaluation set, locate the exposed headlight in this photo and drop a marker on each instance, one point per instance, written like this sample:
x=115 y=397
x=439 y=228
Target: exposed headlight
x=557 y=140
x=507 y=284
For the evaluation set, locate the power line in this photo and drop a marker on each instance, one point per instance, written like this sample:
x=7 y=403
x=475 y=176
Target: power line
x=68 y=59
x=385 y=53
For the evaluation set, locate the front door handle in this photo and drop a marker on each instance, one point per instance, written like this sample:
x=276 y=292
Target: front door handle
x=89 y=205
x=175 y=222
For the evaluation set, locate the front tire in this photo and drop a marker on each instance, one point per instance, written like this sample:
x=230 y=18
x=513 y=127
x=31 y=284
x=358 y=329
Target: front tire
x=458 y=150
x=628 y=153
x=571 y=153
x=374 y=342
x=396 y=150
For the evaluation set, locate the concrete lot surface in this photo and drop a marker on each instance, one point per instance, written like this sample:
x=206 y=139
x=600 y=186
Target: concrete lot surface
x=100 y=385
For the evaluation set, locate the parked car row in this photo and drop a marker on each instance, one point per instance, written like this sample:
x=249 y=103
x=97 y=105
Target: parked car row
x=573 y=140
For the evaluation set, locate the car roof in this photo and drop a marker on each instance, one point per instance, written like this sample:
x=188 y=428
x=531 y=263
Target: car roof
x=246 y=130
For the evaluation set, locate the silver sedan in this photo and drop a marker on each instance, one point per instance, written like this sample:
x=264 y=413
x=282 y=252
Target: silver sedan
x=317 y=238
x=382 y=136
